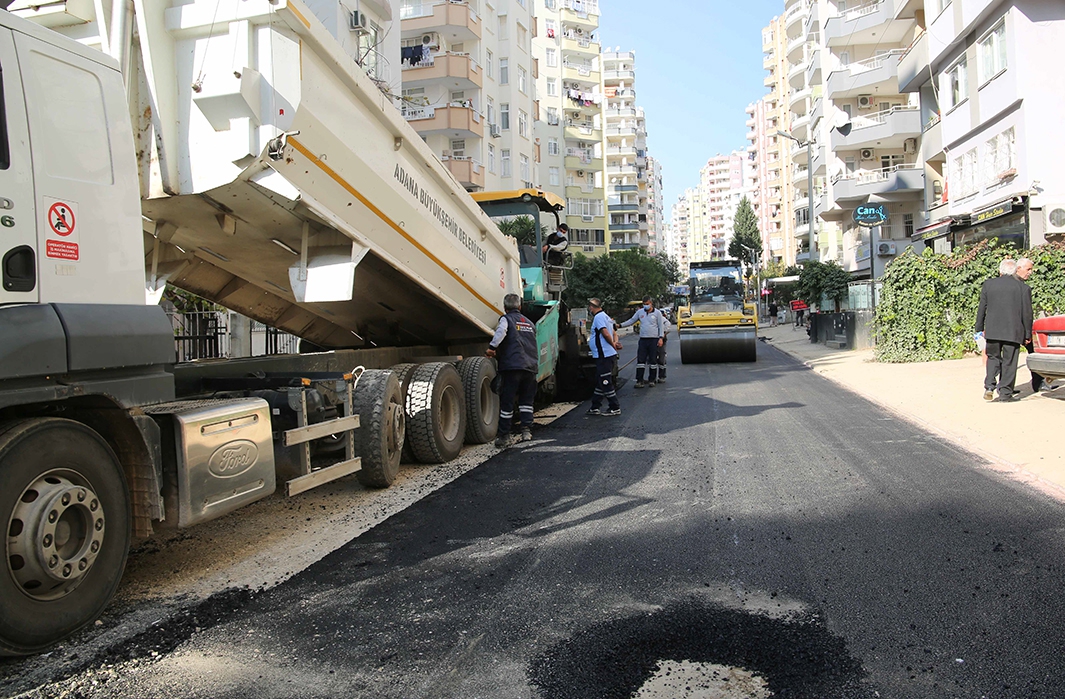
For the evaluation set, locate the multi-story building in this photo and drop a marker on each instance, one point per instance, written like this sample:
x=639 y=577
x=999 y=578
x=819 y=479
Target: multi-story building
x=991 y=89
x=655 y=207
x=468 y=88
x=774 y=194
x=680 y=228
x=626 y=153
x=843 y=76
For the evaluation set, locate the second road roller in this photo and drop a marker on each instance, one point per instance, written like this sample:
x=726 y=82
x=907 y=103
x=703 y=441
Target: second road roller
x=718 y=324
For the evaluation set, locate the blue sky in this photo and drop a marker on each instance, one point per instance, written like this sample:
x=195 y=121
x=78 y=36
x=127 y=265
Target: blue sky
x=698 y=66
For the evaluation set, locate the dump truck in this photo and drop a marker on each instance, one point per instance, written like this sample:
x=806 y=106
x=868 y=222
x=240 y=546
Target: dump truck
x=235 y=151
x=717 y=322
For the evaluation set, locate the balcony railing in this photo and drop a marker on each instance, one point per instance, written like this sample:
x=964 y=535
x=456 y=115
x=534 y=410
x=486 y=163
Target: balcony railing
x=581 y=7
x=862 y=10
x=865 y=121
x=584 y=154
x=871 y=176
x=412 y=10
x=872 y=63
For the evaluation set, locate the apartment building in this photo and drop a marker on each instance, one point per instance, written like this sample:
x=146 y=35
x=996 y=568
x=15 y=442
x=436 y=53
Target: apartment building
x=991 y=91
x=655 y=207
x=680 y=228
x=626 y=153
x=773 y=194
x=469 y=87
x=845 y=96
x=367 y=36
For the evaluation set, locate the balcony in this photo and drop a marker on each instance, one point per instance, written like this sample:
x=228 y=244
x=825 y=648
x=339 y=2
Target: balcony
x=633 y=226
x=899 y=180
x=456 y=121
x=800 y=176
x=800 y=126
x=581 y=12
x=582 y=131
x=618 y=112
x=932 y=139
x=455 y=19
x=580 y=45
x=798 y=96
x=621 y=170
x=913 y=65
x=874 y=22
x=796 y=49
x=467 y=171
x=629 y=131
x=623 y=188
x=887 y=130
x=576 y=72
x=623 y=246
x=796 y=13
x=456 y=71
x=771 y=80
x=877 y=75
x=579 y=163
x=619 y=75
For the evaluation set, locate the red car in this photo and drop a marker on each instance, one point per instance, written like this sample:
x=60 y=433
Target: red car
x=1049 y=341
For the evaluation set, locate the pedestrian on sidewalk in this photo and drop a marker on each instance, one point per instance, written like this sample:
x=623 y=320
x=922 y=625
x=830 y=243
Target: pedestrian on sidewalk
x=1024 y=270
x=514 y=347
x=773 y=310
x=652 y=337
x=1005 y=318
x=604 y=345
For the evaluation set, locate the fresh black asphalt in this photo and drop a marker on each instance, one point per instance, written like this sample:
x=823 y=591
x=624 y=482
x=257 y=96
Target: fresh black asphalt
x=742 y=515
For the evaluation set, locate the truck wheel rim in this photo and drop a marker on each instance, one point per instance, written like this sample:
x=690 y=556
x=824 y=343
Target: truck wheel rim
x=394 y=419
x=449 y=414
x=55 y=533
x=488 y=406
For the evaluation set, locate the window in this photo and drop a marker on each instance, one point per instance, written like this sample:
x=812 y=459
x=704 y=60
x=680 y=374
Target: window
x=552 y=87
x=458 y=148
x=524 y=167
x=523 y=81
x=490 y=110
x=549 y=4
x=491 y=158
x=488 y=61
x=504 y=71
x=552 y=146
x=954 y=85
x=503 y=36
x=552 y=28
x=999 y=157
x=552 y=116
x=523 y=38
x=552 y=58
x=504 y=116
x=963 y=174
x=553 y=176
x=890 y=161
x=848 y=109
x=992 y=52
x=504 y=162
x=369 y=57
x=523 y=123
x=584 y=207
x=907 y=225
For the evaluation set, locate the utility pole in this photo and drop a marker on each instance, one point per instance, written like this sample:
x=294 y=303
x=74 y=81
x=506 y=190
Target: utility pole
x=809 y=185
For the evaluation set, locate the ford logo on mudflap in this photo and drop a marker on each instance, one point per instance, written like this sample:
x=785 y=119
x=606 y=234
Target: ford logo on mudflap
x=233 y=458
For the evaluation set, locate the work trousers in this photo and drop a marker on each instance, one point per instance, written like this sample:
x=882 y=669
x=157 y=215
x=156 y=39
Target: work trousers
x=604 y=383
x=662 y=361
x=519 y=385
x=647 y=358
x=1001 y=365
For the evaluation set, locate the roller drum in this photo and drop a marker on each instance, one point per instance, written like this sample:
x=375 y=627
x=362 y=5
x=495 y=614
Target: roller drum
x=703 y=345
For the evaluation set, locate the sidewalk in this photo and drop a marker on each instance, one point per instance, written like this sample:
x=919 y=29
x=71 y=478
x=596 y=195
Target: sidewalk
x=1022 y=438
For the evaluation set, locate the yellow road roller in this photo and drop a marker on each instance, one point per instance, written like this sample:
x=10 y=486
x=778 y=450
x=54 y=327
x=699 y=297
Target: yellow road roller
x=718 y=324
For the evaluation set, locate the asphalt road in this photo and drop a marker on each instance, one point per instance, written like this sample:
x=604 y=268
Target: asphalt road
x=743 y=529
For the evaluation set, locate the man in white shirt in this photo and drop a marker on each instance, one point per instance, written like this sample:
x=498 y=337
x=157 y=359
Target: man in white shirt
x=652 y=336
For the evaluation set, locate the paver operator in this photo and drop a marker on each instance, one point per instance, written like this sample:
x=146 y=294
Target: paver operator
x=514 y=347
x=652 y=336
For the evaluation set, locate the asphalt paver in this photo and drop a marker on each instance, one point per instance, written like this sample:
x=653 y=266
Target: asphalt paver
x=742 y=530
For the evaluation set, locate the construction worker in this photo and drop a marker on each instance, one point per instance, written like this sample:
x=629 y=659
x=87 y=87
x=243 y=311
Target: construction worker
x=652 y=337
x=514 y=347
x=604 y=346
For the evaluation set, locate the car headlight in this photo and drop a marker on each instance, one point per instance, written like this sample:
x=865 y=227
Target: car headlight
x=688 y=322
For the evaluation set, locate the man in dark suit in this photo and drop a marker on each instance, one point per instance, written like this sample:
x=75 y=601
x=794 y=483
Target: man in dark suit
x=1005 y=318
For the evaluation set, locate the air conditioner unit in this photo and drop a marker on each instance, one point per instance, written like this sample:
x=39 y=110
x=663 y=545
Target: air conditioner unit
x=885 y=249
x=865 y=101
x=867 y=153
x=909 y=145
x=1055 y=219
x=358 y=22
x=494 y=131
x=431 y=40
x=580 y=173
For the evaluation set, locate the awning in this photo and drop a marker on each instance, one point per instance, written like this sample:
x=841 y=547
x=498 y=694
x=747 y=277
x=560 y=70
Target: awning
x=940 y=227
x=783 y=280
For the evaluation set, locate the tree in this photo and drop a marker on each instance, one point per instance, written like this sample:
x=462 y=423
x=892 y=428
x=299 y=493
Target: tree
x=819 y=280
x=670 y=266
x=746 y=241
x=606 y=278
x=523 y=228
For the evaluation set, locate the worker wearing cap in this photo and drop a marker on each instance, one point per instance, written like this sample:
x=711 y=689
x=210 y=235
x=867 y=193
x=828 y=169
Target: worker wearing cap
x=514 y=347
x=652 y=336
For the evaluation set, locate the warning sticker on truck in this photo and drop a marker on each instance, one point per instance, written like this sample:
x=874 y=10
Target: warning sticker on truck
x=62 y=232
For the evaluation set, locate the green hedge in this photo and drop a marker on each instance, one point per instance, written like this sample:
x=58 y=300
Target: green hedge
x=927 y=308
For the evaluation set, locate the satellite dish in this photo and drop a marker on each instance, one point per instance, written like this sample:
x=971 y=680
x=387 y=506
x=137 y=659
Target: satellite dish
x=841 y=122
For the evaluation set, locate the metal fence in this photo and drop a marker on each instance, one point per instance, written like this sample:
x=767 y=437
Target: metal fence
x=209 y=335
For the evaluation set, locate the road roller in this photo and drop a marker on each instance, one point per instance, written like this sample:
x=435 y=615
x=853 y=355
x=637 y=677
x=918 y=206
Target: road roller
x=718 y=324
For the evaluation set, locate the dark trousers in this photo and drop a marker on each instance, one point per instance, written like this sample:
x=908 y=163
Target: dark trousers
x=662 y=360
x=1037 y=379
x=604 y=383
x=519 y=385
x=647 y=358
x=1001 y=365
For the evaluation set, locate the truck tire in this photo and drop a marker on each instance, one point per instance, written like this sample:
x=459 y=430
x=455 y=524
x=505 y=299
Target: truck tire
x=403 y=372
x=378 y=400
x=65 y=506
x=482 y=403
x=436 y=416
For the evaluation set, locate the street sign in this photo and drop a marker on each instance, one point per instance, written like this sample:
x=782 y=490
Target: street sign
x=870 y=216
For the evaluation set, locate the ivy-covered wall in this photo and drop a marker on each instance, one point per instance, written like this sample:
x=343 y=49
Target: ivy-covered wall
x=927 y=309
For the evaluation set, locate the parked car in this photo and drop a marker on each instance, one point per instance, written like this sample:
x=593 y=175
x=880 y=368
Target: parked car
x=1049 y=343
